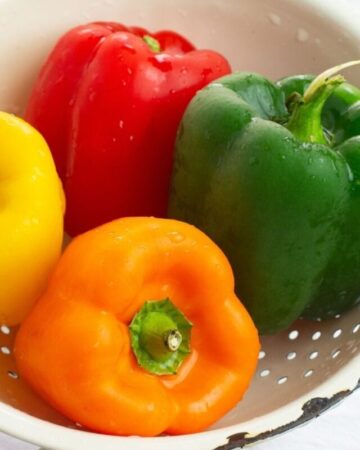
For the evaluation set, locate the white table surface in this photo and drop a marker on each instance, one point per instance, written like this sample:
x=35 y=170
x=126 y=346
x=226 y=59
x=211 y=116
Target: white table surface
x=337 y=429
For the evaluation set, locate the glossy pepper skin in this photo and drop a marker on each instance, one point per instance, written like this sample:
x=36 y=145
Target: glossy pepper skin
x=103 y=279
x=275 y=181
x=31 y=221
x=339 y=288
x=109 y=103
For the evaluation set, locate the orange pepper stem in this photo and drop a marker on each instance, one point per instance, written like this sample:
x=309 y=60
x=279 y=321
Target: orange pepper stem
x=160 y=337
x=173 y=340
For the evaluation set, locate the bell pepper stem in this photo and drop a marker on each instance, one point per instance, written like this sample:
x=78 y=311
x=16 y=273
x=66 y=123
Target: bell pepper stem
x=173 y=339
x=152 y=43
x=160 y=337
x=305 y=121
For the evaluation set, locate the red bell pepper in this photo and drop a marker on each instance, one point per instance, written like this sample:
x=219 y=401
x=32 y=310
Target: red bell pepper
x=109 y=100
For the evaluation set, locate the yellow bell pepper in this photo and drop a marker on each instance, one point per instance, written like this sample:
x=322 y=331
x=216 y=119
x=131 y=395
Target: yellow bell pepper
x=31 y=217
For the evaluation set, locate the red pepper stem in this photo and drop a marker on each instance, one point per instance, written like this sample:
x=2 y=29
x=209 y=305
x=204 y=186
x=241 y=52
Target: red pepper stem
x=152 y=43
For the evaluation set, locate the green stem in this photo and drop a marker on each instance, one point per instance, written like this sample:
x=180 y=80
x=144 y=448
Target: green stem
x=305 y=122
x=152 y=43
x=160 y=337
x=156 y=335
x=306 y=117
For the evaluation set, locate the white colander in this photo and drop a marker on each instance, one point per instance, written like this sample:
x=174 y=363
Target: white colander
x=302 y=371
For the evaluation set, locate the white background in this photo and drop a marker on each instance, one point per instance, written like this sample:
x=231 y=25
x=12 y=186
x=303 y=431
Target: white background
x=337 y=429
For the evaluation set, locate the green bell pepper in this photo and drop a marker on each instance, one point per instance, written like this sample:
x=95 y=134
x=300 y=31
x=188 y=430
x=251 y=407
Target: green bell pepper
x=271 y=172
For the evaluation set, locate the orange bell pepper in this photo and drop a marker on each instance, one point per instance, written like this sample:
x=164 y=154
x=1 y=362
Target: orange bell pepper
x=140 y=331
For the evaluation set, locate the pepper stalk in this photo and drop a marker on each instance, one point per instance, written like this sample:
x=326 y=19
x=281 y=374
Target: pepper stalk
x=305 y=121
x=160 y=337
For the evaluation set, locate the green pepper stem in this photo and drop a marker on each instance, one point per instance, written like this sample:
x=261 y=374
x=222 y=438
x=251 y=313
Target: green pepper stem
x=305 y=121
x=160 y=337
x=152 y=43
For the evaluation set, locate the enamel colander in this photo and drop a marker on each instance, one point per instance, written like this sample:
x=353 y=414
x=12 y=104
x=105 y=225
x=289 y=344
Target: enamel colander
x=303 y=370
